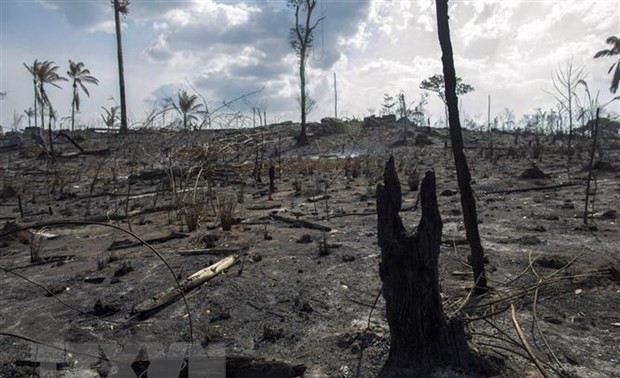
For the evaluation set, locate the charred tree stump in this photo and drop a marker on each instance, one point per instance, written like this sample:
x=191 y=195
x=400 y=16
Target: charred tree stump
x=421 y=337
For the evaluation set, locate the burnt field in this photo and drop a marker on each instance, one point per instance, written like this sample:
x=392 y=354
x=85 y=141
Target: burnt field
x=98 y=240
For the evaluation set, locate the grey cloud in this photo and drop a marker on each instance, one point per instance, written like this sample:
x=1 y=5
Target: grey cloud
x=163 y=92
x=267 y=32
x=90 y=14
x=81 y=14
x=218 y=88
x=261 y=70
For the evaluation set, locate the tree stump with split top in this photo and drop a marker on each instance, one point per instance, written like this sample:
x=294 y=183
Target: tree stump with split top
x=421 y=337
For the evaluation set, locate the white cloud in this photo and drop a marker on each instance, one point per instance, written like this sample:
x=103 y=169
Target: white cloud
x=226 y=48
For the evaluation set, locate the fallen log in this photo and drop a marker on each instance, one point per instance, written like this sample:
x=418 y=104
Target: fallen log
x=44 y=261
x=319 y=198
x=533 y=188
x=265 y=207
x=119 y=217
x=300 y=223
x=152 y=306
x=211 y=251
x=102 y=152
x=124 y=244
x=73 y=142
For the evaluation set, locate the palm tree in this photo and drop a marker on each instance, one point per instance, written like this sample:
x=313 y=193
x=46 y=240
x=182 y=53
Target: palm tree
x=30 y=113
x=46 y=74
x=33 y=71
x=79 y=75
x=121 y=7
x=187 y=107
x=614 y=42
x=110 y=116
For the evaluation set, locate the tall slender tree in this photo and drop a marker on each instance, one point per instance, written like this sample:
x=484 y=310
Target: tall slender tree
x=33 y=69
x=79 y=77
x=301 y=38
x=468 y=201
x=121 y=7
x=614 y=42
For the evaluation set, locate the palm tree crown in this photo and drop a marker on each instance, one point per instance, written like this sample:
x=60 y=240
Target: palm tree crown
x=614 y=42
x=45 y=73
x=187 y=107
x=79 y=76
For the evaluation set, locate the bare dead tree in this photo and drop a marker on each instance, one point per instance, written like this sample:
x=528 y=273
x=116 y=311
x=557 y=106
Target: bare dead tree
x=468 y=201
x=301 y=38
x=565 y=81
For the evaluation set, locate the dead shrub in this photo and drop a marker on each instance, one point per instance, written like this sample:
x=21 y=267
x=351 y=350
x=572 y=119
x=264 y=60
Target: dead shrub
x=193 y=215
x=125 y=268
x=226 y=208
x=353 y=168
x=413 y=180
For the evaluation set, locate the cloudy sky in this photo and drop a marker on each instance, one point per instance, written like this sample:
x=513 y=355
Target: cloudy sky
x=224 y=49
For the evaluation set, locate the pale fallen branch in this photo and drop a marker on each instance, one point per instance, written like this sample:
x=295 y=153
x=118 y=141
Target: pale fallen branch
x=152 y=306
x=319 y=198
x=525 y=343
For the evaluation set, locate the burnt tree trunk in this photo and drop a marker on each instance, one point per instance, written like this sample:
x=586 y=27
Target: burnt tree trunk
x=121 y=69
x=421 y=337
x=468 y=202
x=272 y=179
x=590 y=166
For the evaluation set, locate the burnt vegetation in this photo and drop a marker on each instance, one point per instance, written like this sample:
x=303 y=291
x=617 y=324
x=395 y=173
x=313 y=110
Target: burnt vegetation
x=378 y=246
